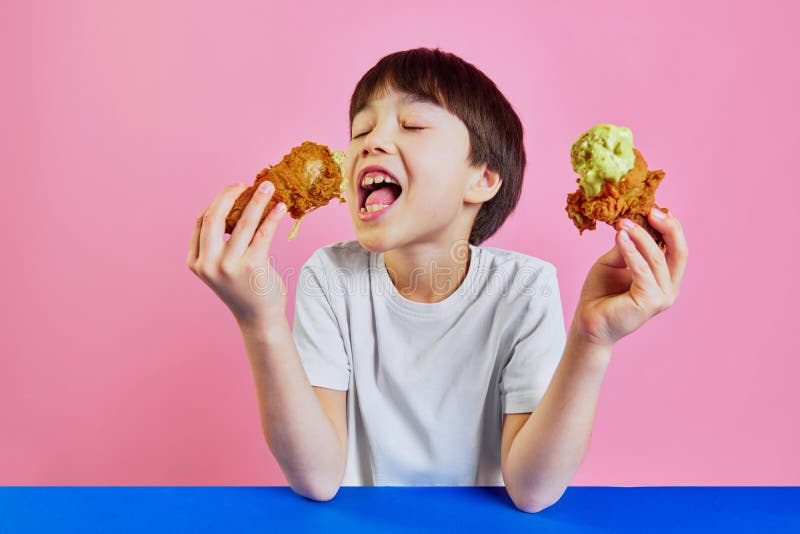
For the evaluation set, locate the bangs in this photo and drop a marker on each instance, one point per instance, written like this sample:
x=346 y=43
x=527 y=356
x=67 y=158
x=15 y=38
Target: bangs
x=403 y=74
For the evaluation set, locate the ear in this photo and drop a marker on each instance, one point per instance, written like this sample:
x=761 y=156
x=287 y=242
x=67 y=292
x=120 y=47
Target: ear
x=482 y=186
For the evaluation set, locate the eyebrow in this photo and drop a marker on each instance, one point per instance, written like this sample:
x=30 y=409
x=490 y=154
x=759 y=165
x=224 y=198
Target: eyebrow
x=410 y=98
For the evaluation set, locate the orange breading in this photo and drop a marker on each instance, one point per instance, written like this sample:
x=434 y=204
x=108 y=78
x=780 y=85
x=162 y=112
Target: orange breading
x=305 y=179
x=632 y=197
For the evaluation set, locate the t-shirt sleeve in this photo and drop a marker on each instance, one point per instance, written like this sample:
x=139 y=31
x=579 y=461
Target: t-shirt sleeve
x=316 y=330
x=538 y=349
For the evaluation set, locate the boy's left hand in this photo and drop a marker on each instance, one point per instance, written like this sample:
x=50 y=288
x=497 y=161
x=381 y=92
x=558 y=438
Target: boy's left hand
x=614 y=300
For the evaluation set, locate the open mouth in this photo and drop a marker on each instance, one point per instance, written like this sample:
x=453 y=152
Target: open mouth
x=377 y=196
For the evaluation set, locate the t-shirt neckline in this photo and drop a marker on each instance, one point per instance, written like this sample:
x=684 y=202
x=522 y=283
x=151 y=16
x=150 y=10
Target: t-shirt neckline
x=454 y=302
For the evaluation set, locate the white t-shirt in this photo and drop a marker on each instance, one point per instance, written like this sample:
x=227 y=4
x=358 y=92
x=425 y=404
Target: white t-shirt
x=428 y=383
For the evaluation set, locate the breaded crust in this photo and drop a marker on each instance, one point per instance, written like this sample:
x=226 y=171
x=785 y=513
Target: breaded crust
x=305 y=179
x=632 y=197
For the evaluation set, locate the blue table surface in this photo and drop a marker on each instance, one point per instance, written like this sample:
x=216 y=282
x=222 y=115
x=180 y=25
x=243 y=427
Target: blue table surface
x=394 y=509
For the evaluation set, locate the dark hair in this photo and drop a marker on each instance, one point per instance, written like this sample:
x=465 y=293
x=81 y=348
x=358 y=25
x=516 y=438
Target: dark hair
x=495 y=131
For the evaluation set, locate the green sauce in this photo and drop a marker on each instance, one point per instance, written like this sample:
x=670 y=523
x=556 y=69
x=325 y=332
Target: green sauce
x=602 y=153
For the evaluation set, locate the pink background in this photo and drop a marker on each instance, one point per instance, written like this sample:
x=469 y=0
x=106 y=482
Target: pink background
x=123 y=121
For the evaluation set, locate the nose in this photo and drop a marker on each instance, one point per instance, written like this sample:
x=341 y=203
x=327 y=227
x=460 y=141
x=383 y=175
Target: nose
x=377 y=140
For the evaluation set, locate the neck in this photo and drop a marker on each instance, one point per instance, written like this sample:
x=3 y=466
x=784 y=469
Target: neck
x=428 y=272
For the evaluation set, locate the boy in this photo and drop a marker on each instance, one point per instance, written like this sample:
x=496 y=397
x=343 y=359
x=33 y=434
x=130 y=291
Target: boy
x=419 y=357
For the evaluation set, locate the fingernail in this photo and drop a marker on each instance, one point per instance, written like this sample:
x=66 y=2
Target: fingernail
x=627 y=223
x=625 y=237
x=281 y=207
x=265 y=187
x=658 y=214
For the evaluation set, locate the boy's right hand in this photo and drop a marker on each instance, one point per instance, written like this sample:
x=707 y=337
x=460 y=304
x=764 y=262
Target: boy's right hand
x=238 y=270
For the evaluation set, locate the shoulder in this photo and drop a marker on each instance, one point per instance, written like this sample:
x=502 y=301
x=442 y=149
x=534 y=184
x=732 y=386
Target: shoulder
x=341 y=254
x=529 y=293
x=517 y=266
x=339 y=264
x=518 y=281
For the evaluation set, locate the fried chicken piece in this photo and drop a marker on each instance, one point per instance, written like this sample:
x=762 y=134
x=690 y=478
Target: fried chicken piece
x=632 y=197
x=307 y=178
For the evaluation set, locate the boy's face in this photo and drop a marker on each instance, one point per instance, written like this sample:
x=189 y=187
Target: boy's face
x=436 y=204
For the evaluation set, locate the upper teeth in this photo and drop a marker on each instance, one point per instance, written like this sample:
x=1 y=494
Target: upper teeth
x=373 y=178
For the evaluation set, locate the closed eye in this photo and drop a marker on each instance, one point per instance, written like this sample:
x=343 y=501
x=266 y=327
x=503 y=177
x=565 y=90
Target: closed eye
x=406 y=127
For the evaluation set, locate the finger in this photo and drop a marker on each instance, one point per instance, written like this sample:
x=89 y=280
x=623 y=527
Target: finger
x=677 y=249
x=638 y=266
x=251 y=215
x=194 y=241
x=212 y=231
x=613 y=258
x=262 y=241
x=650 y=251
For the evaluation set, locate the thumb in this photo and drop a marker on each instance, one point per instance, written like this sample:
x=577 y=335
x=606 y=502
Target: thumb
x=613 y=258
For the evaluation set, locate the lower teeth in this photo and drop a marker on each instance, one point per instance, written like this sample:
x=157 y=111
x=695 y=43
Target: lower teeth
x=374 y=207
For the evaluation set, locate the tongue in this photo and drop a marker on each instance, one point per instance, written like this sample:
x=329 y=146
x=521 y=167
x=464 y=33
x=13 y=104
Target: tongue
x=385 y=195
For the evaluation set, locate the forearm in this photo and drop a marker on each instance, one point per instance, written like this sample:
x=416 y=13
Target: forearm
x=296 y=428
x=550 y=446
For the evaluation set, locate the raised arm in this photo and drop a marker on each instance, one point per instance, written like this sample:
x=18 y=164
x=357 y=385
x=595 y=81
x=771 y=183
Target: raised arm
x=299 y=432
x=305 y=442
